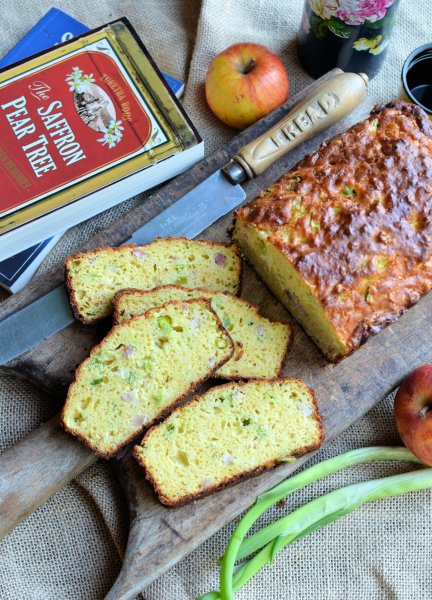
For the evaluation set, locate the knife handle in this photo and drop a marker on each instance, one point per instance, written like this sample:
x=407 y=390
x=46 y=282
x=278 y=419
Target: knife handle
x=325 y=106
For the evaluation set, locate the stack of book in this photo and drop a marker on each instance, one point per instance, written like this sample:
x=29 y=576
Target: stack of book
x=83 y=126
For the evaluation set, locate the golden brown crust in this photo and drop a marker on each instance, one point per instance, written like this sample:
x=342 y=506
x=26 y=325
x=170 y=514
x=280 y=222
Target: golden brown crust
x=167 y=410
x=68 y=280
x=358 y=211
x=254 y=307
x=69 y=285
x=422 y=119
x=287 y=349
x=116 y=316
x=229 y=482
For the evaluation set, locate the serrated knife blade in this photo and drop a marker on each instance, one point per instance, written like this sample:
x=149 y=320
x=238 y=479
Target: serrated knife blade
x=208 y=201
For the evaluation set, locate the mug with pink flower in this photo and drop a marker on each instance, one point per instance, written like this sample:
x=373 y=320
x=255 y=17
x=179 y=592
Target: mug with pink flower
x=350 y=34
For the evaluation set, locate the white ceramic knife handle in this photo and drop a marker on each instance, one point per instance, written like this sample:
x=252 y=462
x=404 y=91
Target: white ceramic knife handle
x=325 y=106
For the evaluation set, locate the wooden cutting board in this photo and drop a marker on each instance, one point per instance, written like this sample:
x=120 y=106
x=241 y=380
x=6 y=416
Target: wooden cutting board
x=159 y=537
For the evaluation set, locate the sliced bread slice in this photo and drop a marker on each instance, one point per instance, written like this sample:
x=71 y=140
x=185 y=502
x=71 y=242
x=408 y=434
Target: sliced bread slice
x=231 y=432
x=141 y=370
x=260 y=345
x=93 y=278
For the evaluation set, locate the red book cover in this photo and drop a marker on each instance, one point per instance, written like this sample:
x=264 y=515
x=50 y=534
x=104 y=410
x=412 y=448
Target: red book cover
x=67 y=121
x=72 y=120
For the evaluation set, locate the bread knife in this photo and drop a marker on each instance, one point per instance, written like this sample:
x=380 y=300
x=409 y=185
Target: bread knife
x=213 y=198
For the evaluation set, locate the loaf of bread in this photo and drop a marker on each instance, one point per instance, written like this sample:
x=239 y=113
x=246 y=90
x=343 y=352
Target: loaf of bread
x=231 y=432
x=142 y=369
x=260 y=345
x=93 y=278
x=344 y=239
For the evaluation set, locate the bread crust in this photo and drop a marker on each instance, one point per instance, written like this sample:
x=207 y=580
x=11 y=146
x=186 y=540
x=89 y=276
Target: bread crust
x=230 y=481
x=168 y=409
x=386 y=173
x=254 y=307
x=68 y=279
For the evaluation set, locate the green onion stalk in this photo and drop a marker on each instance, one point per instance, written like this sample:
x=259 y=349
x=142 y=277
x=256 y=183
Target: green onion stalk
x=312 y=516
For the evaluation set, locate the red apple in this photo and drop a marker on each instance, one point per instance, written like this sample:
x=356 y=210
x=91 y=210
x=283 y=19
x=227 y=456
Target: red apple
x=413 y=413
x=244 y=83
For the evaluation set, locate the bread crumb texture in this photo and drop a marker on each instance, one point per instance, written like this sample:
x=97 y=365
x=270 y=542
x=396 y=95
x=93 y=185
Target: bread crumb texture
x=232 y=431
x=93 y=278
x=140 y=370
x=344 y=239
x=260 y=345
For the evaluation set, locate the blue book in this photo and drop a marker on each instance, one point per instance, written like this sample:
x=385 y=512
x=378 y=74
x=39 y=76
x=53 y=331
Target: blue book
x=53 y=28
x=176 y=85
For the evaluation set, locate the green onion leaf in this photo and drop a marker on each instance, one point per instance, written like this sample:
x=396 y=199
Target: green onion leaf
x=349 y=191
x=237 y=548
x=165 y=323
x=345 y=500
x=158 y=396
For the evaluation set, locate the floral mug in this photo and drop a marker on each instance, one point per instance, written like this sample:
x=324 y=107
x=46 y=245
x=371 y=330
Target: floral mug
x=350 y=34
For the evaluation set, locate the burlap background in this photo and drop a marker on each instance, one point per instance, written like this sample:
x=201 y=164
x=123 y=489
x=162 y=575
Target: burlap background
x=71 y=548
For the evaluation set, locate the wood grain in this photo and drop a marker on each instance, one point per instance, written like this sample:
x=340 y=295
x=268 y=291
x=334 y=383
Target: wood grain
x=35 y=469
x=160 y=536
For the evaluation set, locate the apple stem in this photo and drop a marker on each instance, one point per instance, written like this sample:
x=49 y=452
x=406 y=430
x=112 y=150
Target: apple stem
x=250 y=66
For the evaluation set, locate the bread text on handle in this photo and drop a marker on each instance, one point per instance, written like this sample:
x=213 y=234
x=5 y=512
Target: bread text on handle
x=329 y=103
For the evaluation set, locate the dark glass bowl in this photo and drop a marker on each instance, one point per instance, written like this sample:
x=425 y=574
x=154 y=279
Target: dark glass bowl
x=417 y=77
